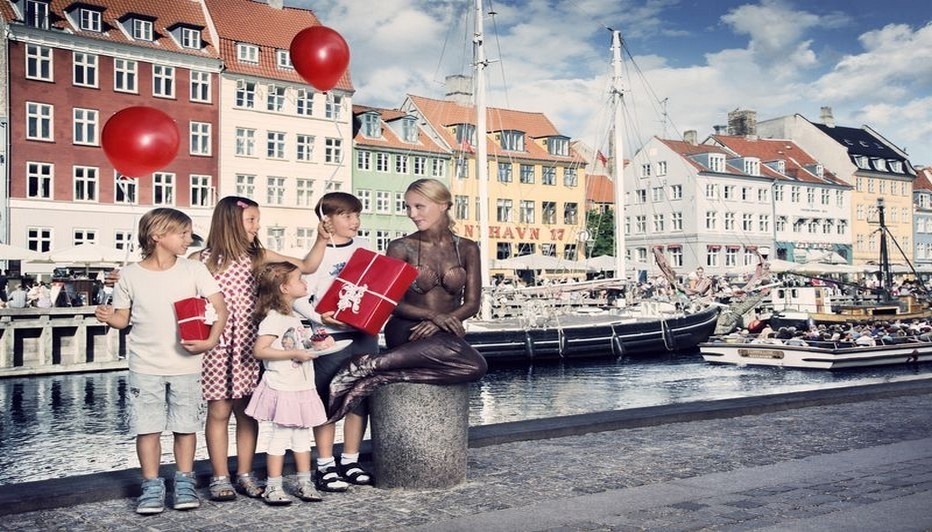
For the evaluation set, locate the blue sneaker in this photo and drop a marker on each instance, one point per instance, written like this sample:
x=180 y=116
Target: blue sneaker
x=185 y=492
x=152 y=500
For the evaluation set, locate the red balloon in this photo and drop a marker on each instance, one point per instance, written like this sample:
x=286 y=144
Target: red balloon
x=140 y=140
x=320 y=55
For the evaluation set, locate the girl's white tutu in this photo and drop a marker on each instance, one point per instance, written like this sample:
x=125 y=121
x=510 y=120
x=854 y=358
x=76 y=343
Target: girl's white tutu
x=289 y=409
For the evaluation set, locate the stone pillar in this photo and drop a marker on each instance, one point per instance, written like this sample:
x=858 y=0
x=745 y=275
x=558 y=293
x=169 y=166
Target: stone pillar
x=420 y=434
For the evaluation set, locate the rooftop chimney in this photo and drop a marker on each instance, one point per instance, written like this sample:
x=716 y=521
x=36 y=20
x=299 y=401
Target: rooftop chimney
x=459 y=89
x=825 y=115
x=691 y=136
x=720 y=129
x=742 y=123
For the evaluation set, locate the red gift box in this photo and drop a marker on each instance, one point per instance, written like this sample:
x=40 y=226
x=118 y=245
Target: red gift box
x=193 y=322
x=367 y=290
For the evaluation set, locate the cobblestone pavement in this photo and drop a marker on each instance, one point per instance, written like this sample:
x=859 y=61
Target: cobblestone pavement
x=853 y=466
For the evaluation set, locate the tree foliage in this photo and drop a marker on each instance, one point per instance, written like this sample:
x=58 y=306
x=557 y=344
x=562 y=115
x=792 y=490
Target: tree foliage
x=601 y=227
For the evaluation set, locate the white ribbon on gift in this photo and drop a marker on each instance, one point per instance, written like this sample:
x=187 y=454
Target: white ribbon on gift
x=350 y=295
x=209 y=317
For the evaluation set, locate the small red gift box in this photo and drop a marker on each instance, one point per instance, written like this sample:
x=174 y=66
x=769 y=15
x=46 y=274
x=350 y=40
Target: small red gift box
x=367 y=290
x=193 y=320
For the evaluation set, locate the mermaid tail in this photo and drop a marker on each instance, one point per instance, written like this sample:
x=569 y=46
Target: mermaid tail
x=439 y=359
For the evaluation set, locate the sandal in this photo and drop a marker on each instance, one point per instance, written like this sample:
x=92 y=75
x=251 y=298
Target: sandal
x=329 y=480
x=221 y=489
x=353 y=473
x=276 y=496
x=249 y=486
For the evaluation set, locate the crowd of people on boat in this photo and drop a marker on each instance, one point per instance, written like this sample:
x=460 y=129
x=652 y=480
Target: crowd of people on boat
x=837 y=335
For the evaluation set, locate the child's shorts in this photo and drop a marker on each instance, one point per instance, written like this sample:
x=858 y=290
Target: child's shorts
x=161 y=403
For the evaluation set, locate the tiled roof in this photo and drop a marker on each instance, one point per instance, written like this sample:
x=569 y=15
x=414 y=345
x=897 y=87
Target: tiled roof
x=269 y=28
x=389 y=139
x=163 y=14
x=924 y=179
x=600 y=188
x=445 y=113
x=769 y=150
x=685 y=149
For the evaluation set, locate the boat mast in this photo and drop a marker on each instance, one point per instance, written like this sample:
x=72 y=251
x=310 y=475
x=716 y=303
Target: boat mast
x=618 y=164
x=482 y=168
x=886 y=274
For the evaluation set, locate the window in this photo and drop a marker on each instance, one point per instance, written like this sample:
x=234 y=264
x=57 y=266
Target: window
x=382 y=238
x=711 y=191
x=512 y=140
x=163 y=188
x=763 y=196
x=39 y=62
x=526 y=248
x=728 y=192
x=83 y=236
x=778 y=193
x=39 y=239
x=745 y=193
x=381 y=162
x=383 y=202
x=123 y=240
x=794 y=194
x=142 y=30
x=305 y=147
x=549 y=176
x=200 y=86
x=275 y=236
x=558 y=146
x=38 y=121
x=305 y=102
x=527 y=173
x=304 y=189
x=826 y=199
x=245 y=94
x=711 y=257
x=747 y=222
x=363 y=160
x=401 y=164
x=764 y=223
x=640 y=224
x=246 y=185
x=645 y=170
x=334 y=107
x=438 y=168
x=569 y=177
x=409 y=129
x=200 y=138
x=304 y=237
x=283 y=59
x=89 y=20
x=503 y=250
x=526 y=214
x=640 y=196
x=461 y=207
x=420 y=165
x=462 y=168
x=365 y=197
x=247 y=53
x=85 y=183
x=125 y=190
x=371 y=125
x=200 y=190
x=717 y=162
x=810 y=196
x=85 y=70
x=399 y=202
x=729 y=221
x=570 y=213
x=656 y=194
x=190 y=38
x=85 y=126
x=504 y=172
x=676 y=192
x=711 y=218
x=39 y=180
x=676 y=221
x=780 y=226
x=275 y=190
x=661 y=168
x=245 y=142
x=731 y=257
x=503 y=210
x=548 y=212
x=275 y=145
x=125 y=73
x=333 y=150
x=163 y=81
x=752 y=166
x=37 y=14
x=275 y=100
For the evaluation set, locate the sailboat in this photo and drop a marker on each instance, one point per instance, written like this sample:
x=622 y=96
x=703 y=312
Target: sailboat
x=647 y=328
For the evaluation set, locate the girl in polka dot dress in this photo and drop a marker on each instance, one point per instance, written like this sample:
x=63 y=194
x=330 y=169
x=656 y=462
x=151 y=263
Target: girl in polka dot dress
x=230 y=372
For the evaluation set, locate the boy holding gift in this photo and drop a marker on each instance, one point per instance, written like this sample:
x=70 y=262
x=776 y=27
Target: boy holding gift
x=339 y=215
x=164 y=374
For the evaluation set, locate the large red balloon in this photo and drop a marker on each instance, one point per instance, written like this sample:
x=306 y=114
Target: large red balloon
x=140 y=140
x=320 y=55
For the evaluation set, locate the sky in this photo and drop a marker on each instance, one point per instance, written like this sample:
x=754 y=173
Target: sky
x=687 y=62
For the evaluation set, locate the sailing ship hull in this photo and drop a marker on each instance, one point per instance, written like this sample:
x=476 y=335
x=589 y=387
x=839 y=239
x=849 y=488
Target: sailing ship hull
x=791 y=356
x=580 y=337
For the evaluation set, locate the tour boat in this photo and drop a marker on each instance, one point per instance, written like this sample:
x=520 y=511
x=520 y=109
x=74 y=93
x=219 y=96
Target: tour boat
x=815 y=355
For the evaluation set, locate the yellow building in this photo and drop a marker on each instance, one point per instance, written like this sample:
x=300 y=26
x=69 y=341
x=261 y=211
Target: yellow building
x=536 y=181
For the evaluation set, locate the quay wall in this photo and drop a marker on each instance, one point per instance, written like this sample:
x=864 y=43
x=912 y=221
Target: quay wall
x=36 y=341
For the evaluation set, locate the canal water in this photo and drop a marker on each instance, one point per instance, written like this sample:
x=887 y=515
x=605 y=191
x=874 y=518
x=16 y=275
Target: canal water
x=63 y=425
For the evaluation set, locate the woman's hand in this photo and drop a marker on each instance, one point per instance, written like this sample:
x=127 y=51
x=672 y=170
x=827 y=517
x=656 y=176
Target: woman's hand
x=327 y=319
x=424 y=329
x=449 y=323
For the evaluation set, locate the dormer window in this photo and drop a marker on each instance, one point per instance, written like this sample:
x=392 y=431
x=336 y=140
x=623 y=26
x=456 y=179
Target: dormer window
x=409 y=129
x=465 y=134
x=780 y=166
x=512 y=140
x=283 y=59
x=247 y=53
x=717 y=162
x=190 y=38
x=752 y=166
x=880 y=164
x=37 y=14
x=861 y=161
x=896 y=166
x=819 y=170
x=89 y=20
x=142 y=30
x=371 y=125
x=558 y=146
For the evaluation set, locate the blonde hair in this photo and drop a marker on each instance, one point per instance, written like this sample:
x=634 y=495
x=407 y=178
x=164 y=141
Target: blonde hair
x=269 y=280
x=228 y=240
x=437 y=192
x=157 y=222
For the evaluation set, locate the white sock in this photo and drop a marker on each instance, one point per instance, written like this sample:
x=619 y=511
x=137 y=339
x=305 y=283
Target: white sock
x=304 y=476
x=324 y=463
x=347 y=458
x=273 y=482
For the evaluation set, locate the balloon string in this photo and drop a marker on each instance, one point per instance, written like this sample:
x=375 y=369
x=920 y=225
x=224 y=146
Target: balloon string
x=339 y=136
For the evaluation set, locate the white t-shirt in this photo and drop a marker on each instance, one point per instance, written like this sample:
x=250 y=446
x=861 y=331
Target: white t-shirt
x=287 y=375
x=153 y=343
x=335 y=258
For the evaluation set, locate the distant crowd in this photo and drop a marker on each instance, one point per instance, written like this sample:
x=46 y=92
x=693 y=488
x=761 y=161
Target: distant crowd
x=29 y=293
